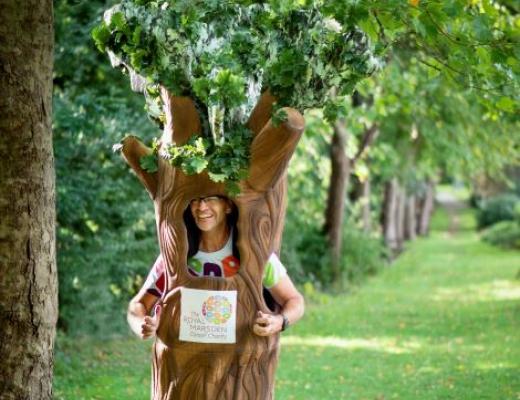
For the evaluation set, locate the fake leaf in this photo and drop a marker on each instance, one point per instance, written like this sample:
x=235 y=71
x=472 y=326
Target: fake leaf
x=101 y=35
x=279 y=116
x=149 y=163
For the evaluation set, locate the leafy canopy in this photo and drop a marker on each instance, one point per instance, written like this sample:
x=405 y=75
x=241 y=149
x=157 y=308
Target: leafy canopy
x=224 y=54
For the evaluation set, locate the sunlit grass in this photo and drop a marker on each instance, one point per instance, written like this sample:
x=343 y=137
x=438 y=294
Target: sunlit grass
x=386 y=345
x=492 y=291
x=441 y=222
x=442 y=322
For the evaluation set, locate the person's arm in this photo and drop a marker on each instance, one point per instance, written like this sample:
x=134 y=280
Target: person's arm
x=138 y=315
x=292 y=303
x=140 y=307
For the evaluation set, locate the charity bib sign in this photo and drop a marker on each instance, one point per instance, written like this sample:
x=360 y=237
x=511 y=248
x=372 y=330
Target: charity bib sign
x=208 y=316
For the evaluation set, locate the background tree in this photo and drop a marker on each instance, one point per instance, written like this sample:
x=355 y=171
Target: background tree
x=443 y=37
x=28 y=288
x=342 y=167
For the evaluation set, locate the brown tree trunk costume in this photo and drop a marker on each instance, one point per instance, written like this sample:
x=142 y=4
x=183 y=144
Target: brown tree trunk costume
x=244 y=370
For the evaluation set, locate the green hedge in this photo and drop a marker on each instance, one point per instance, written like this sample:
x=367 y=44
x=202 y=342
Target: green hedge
x=503 y=234
x=496 y=209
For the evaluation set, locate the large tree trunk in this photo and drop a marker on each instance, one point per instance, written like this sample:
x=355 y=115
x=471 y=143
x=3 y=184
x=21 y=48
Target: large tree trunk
x=335 y=210
x=426 y=209
x=339 y=181
x=28 y=284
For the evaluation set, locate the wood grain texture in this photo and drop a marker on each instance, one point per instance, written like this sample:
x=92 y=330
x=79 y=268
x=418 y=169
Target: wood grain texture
x=244 y=370
x=132 y=151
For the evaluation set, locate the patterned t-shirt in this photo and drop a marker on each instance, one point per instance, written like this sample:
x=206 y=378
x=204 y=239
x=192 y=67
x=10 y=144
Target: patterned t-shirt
x=220 y=263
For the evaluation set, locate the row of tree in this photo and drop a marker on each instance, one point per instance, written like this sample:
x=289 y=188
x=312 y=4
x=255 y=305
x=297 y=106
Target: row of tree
x=421 y=116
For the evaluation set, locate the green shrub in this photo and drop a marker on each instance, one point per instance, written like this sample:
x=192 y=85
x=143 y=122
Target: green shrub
x=304 y=253
x=503 y=234
x=496 y=209
x=362 y=254
x=98 y=277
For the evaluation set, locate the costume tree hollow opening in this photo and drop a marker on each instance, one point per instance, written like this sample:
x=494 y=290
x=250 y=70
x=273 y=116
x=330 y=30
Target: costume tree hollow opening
x=220 y=79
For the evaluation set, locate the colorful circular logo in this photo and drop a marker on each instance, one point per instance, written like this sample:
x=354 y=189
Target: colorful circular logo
x=216 y=309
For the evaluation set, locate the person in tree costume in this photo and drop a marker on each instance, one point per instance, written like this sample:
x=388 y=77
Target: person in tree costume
x=213 y=218
x=182 y=368
x=226 y=81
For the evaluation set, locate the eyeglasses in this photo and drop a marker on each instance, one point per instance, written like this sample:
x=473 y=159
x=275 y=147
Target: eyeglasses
x=208 y=200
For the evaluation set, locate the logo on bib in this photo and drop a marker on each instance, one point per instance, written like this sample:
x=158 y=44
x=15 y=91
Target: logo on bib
x=217 y=309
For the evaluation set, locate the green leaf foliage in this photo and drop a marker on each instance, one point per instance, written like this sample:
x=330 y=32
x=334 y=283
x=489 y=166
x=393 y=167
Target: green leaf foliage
x=278 y=116
x=227 y=162
x=105 y=222
x=499 y=208
x=219 y=51
x=504 y=234
x=225 y=54
x=149 y=163
x=101 y=34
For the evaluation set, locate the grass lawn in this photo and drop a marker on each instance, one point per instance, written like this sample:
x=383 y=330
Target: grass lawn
x=442 y=322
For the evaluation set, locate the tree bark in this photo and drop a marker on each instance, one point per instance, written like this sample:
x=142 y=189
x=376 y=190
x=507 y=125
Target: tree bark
x=335 y=210
x=342 y=165
x=369 y=137
x=28 y=280
x=410 y=218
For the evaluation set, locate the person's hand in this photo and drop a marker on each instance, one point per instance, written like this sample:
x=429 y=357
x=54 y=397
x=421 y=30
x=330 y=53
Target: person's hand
x=267 y=324
x=150 y=324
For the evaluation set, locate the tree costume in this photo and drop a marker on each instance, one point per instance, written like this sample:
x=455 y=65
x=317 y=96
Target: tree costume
x=219 y=77
x=244 y=370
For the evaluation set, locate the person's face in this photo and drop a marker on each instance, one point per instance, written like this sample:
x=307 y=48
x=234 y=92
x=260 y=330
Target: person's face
x=210 y=213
